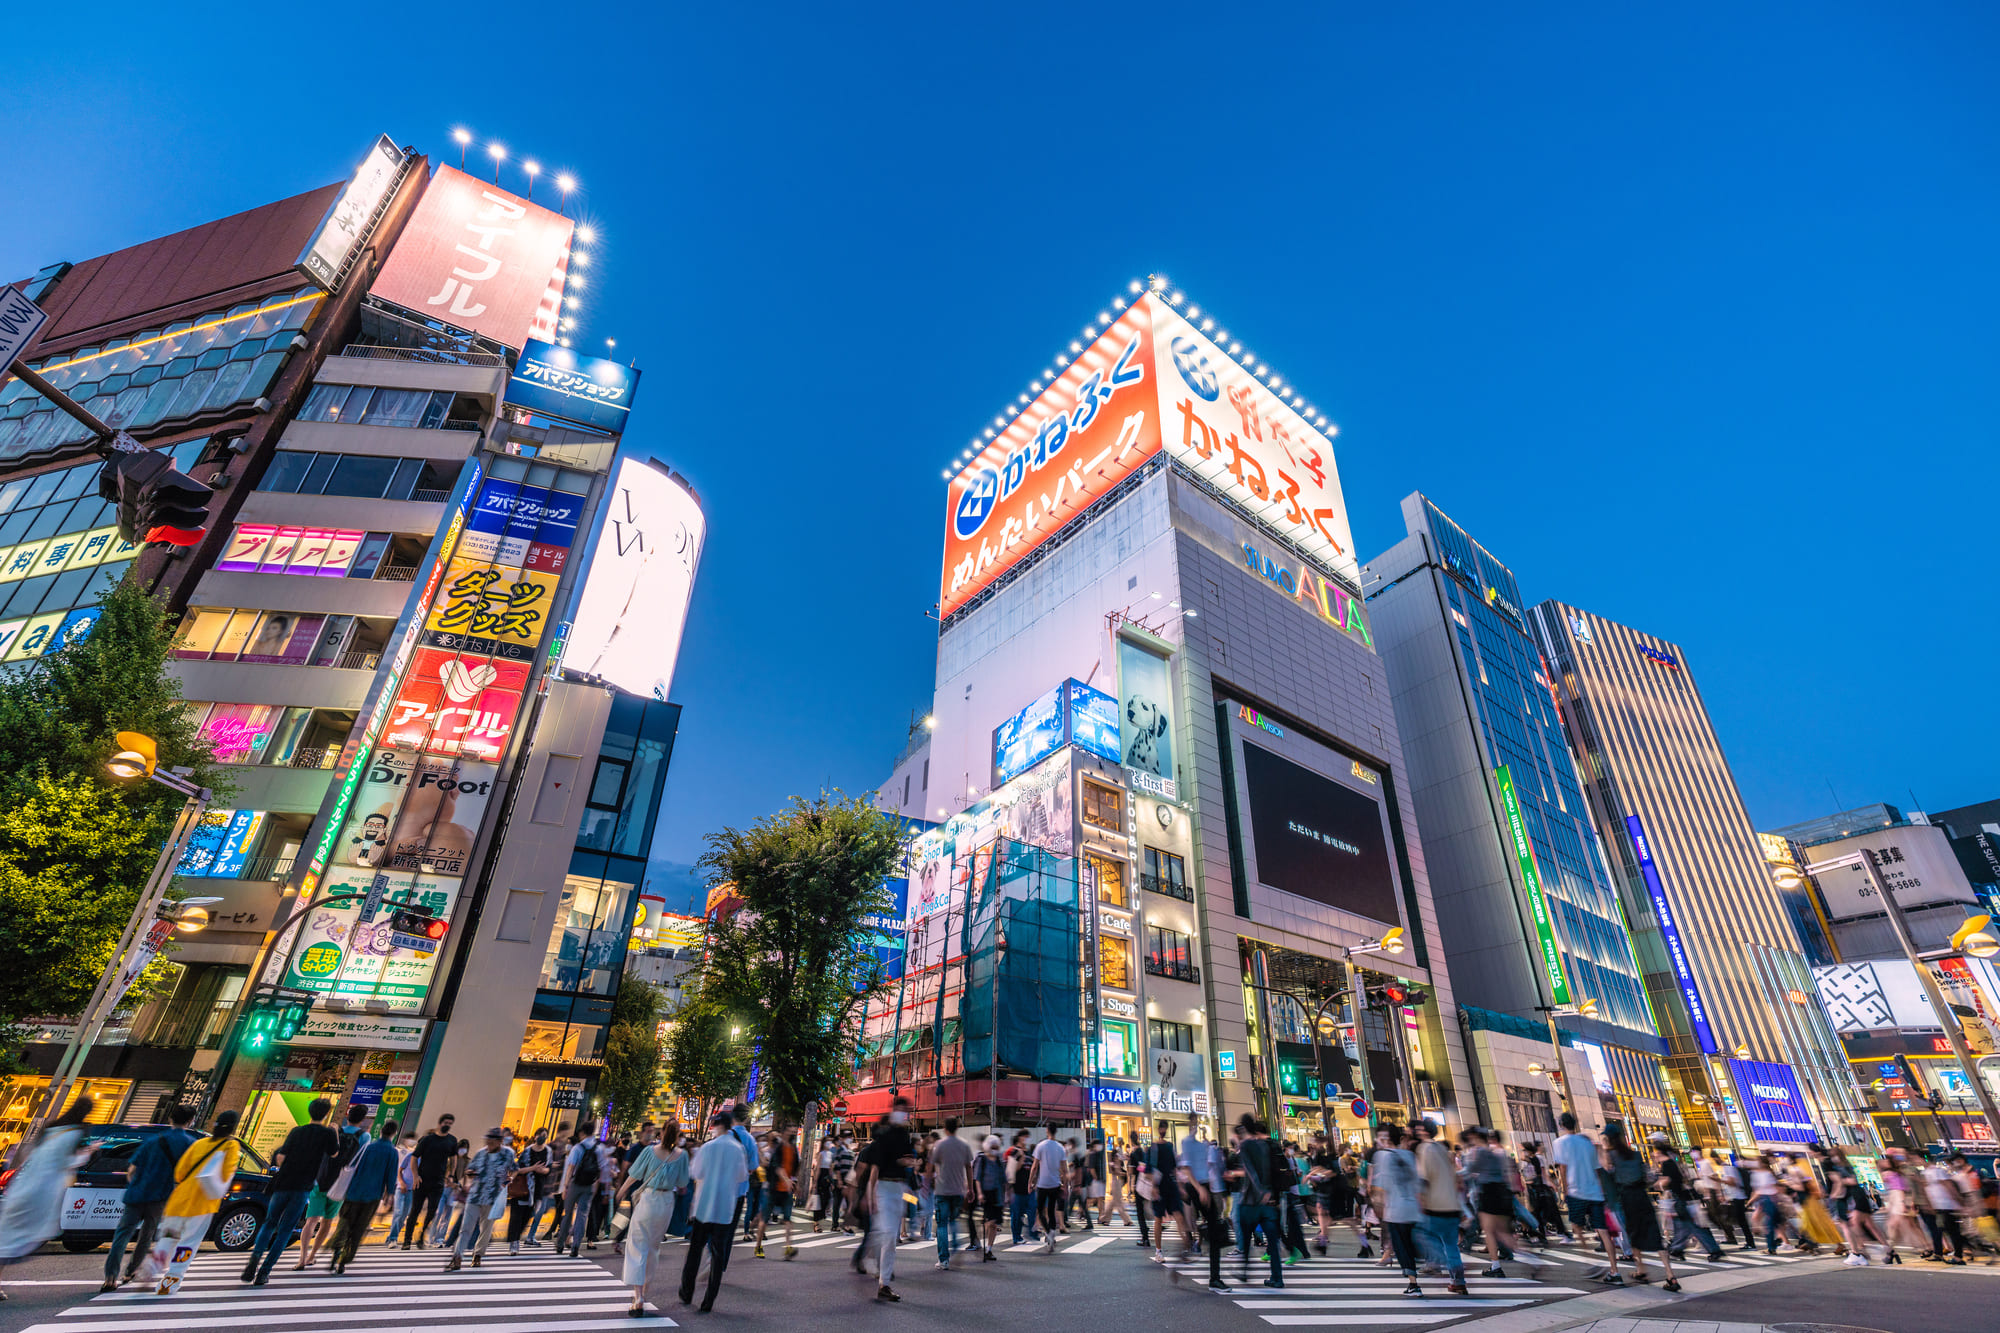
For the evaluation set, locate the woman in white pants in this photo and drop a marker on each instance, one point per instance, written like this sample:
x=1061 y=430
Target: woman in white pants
x=653 y=1176
x=201 y=1179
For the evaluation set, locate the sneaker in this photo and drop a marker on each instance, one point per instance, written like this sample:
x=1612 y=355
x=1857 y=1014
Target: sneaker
x=1854 y=1261
x=791 y=1251
x=1612 y=1280
x=1671 y=1284
x=759 y=1252
x=886 y=1294
x=1459 y=1289
x=943 y=1265
x=1413 y=1289
x=1274 y=1282
x=249 y=1275
x=988 y=1257
x=1219 y=1286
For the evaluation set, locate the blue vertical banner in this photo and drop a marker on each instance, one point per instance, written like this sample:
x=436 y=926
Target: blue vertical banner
x=1670 y=933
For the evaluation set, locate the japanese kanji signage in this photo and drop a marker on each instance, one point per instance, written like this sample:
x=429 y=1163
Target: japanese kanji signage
x=1151 y=381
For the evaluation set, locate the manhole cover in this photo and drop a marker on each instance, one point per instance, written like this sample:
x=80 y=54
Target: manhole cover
x=1822 y=1328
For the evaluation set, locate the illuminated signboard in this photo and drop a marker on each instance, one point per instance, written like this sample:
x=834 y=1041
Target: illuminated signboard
x=1257 y=719
x=1654 y=655
x=1538 y=906
x=329 y=254
x=1773 y=1102
x=1072 y=713
x=478 y=258
x=1317 y=594
x=1670 y=934
x=1093 y=721
x=633 y=609
x=1150 y=382
x=558 y=382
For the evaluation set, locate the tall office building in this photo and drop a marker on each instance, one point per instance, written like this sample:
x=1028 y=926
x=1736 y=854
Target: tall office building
x=1750 y=1062
x=1529 y=912
x=1167 y=771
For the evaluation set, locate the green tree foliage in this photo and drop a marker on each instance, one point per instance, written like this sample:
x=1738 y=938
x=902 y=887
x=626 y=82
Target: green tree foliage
x=705 y=1060
x=788 y=960
x=76 y=847
x=632 y=1053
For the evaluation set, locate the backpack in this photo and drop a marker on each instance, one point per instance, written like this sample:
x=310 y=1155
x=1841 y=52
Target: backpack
x=587 y=1166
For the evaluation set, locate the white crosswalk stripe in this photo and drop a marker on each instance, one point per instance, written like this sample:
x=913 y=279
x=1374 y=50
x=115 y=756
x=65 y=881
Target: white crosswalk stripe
x=1349 y=1292
x=383 y=1291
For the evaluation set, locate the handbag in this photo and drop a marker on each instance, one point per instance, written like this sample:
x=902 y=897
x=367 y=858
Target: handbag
x=1147 y=1189
x=499 y=1208
x=338 y=1190
x=621 y=1221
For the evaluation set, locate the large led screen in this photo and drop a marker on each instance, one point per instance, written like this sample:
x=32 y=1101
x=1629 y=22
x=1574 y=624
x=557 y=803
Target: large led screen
x=1318 y=839
x=1028 y=737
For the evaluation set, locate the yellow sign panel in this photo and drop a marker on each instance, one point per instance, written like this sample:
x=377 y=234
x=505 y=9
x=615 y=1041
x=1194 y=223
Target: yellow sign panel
x=21 y=561
x=480 y=600
x=35 y=636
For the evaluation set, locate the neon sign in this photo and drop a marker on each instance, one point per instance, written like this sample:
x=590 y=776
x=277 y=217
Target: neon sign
x=1323 y=597
x=1257 y=719
x=1670 y=935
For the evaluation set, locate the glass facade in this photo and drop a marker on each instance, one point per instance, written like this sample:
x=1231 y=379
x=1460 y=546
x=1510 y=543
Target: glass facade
x=221 y=360
x=1513 y=699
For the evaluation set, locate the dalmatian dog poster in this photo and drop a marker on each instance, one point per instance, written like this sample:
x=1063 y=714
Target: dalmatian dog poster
x=1146 y=716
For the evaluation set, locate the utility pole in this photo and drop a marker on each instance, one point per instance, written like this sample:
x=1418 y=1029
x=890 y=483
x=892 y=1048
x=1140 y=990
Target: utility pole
x=1936 y=996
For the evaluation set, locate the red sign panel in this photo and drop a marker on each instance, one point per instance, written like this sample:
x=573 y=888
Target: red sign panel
x=479 y=258
x=456 y=705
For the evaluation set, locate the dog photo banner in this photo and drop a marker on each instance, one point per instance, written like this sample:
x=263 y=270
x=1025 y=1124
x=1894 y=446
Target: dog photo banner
x=1146 y=718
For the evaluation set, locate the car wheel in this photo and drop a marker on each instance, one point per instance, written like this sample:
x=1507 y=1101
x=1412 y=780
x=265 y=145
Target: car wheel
x=236 y=1228
x=81 y=1244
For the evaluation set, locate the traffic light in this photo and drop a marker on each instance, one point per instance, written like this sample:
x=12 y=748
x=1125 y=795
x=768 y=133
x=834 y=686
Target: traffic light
x=417 y=929
x=270 y=1020
x=1395 y=995
x=156 y=501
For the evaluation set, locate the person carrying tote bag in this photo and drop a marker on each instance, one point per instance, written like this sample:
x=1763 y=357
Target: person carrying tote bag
x=201 y=1180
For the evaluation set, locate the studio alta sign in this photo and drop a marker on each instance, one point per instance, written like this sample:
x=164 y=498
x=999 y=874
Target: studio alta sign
x=1319 y=595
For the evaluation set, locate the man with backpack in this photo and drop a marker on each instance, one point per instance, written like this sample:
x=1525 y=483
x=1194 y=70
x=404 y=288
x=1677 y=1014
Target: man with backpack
x=369 y=1176
x=1264 y=1173
x=586 y=1174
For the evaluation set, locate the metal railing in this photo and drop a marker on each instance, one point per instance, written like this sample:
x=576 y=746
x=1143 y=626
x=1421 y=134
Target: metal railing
x=1171 y=888
x=429 y=355
x=314 y=756
x=359 y=661
x=1170 y=968
x=430 y=497
x=266 y=867
x=397 y=574
x=198 y=1025
x=461 y=424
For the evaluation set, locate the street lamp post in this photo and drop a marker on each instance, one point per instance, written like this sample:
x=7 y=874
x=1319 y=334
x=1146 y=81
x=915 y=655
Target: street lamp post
x=137 y=756
x=1583 y=1009
x=1934 y=993
x=1392 y=944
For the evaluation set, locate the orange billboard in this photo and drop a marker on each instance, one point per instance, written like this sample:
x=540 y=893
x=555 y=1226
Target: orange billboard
x=1086 y=432
x=478 y=258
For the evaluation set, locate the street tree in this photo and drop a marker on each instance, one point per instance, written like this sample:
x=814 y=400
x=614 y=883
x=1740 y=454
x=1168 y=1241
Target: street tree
x=77 y=847
x=792 y=959
x=705 y=1056
x=633 y=1057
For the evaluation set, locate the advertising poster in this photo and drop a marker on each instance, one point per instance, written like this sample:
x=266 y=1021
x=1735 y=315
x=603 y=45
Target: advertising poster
x=1146 y=707
x=1176 y=1083
x=1670 y=935
x=237 y=839
x=336 y=954
x=348 y=222
x=1093 y=722
x=633 y=609
x=480 y=258
x=284 y=638
x=416 y=812
x=1916 y=862
x=1772 y=1101
x=1028 y=737
x=1317 y=838
x=204 y=843
x=498 y=610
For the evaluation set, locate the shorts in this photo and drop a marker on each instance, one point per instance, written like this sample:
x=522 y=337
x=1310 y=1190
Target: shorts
x=992 y=1208
x=1586 y=1213
x=318 y=1205
x=778 y=1207
x=1169 y=1201
x=1839 y=1208
x=1095 y=1190
x=1496 y=1200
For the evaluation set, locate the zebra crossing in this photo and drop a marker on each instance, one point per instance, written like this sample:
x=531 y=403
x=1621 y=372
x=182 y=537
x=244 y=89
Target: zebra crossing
x=1352 y=1292
x=384 y=1291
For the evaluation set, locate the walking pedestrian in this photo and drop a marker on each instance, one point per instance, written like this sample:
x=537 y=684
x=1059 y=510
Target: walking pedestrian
x=1207 y=1187
x=1492 y=1200
x=840 y=1170
x=780 y=1190
x=1576 y=1162
x=653 y=1179
x=148 y=1182
x=950 y=1181
x=31 y=1213
x=989 y=1180
x=525 y=1190
x=586 y=1174
x=548 y=1190
x=1163 y=1166
x=1263 y=1171
x=433 y=1155
x=1947 y=1200
x=298 y=1160
x=369 y=1176
x=1021 y=1185
x=1394 y=1190
x=406 y=1186
x=451 y=1203
x=1680 y=1195
x=201 y=1178
x=486 y=1177
x=1635 y=1205
x=886 y=1168
x=1050 y=1159
x=1442 y=1206
x=720 y=1174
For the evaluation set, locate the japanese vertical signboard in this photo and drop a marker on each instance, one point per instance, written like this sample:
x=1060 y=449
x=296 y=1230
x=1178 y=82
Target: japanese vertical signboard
x=1670 y=935
x=1538 y=904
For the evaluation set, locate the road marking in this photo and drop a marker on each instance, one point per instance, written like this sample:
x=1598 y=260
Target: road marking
x=1406 y=1304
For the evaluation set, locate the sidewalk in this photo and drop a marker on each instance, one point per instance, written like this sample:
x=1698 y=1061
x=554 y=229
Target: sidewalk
x=1665 y=1326
x=1627 y=1309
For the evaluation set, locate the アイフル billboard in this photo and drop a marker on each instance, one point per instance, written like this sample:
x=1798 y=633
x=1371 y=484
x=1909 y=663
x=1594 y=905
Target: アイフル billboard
x=1150 y=381
x=1670 y=935
x=480 y=259
x=633 y=610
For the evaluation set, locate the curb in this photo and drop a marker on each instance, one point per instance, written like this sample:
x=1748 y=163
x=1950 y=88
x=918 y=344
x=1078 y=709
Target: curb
x=1627 y=1302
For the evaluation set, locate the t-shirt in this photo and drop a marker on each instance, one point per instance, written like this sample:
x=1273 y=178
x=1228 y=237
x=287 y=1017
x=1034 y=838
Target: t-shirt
x=892 y=1143
x=1048 y=1164
x=1577 y=1156
x=434 y=1153
x=301 y=1154
x=1676 y=1178
x=951 y=1157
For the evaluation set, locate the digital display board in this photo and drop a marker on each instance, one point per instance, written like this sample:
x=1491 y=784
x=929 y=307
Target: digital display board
x=1772 y=1100
x=558 y=382
x=1317 y=838
x=1093 y=721
x=1670 y=935
x=1028 y=737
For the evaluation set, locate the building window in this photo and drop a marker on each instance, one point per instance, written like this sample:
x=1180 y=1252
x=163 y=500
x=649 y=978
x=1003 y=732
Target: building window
x=1166 y=873
x=1110 y=877
x=1120 y=1057
x=1169 y=953
x=1103 y=806
x=1114 y=962
x=1167 y=1035
x=1529 y=1110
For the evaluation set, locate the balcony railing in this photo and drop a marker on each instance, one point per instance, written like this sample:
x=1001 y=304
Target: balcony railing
x=1171 y=888
x=359 y=661
x=1170 y=968
x=430 y=355
x=430 y=497
x=397 y=574
x=191 y=1025
x=266 y=867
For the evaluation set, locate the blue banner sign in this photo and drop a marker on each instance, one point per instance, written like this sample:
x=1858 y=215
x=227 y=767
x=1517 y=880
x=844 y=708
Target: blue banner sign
x=1772 y=1101
x=558 y=382
x=1670 y=934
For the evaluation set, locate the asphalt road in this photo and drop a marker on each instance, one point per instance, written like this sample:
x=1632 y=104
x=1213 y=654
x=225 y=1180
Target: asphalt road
x=1909 y=1298
x=1092 y=1282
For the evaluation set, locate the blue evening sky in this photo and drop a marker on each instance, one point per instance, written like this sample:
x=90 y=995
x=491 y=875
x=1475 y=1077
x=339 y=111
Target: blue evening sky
x=1687 y=315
